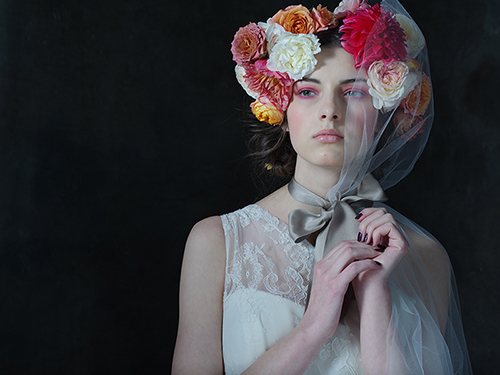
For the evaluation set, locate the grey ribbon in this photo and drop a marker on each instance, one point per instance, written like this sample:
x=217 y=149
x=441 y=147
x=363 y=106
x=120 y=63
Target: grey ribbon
x=336 y=220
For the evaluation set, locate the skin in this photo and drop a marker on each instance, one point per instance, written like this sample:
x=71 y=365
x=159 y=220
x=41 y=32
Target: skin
x=319 y=102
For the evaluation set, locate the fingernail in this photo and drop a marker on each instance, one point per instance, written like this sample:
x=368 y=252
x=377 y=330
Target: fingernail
x=378 y=263
x=359 y=236
x=358 y=216
x=371 y=242
x=380 y=249
x=366 y=237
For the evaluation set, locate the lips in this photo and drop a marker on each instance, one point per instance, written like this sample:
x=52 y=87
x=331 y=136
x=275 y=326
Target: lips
x=328 y=136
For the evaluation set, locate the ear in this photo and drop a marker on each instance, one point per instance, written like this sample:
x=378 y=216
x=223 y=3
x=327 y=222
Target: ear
x=284 y=125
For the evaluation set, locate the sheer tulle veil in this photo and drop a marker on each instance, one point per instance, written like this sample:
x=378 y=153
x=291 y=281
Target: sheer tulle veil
x=426 y=329
x=426 y=314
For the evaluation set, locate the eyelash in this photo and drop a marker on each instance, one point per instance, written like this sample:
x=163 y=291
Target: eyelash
x=360 y=93
x=352 y=93
x=305 y=93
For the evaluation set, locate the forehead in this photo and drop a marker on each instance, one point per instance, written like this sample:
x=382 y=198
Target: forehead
x=336 y=63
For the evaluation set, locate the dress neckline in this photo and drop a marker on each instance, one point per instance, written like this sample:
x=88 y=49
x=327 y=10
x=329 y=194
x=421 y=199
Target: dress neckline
x=306 y=243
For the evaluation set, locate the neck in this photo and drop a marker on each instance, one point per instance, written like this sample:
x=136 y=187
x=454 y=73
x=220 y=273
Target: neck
x=318 y=179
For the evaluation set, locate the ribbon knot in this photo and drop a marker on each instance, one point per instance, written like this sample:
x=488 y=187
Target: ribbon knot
x=336 y=221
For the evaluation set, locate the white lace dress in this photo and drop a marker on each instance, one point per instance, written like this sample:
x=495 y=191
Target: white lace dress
x=266 y=284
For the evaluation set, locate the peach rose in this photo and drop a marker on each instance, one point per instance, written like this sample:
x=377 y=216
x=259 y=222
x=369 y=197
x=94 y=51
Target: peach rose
x=266 y=111
x=404 y=123
x=389 y=83
x=413 y=64
x=295 y=19
x=349 y=5
x=323 y=18
x=248 y=43
x=418 y=100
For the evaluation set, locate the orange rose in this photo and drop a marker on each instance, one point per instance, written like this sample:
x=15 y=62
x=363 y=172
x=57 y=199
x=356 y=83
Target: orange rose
x=323 y=18
x=405 y=122
x=418 y=100
x=295 y=19
x=413 y=64
x=266 y=111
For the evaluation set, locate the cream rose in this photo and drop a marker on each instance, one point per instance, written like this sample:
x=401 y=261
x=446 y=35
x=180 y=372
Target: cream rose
x=273 y=34
x=389 y=83
x=240 y=76
x=294 y=54
x=415 y=40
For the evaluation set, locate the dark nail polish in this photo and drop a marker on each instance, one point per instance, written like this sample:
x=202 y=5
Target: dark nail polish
x=366 y=237
x=359 y=236
x=378 y=263
x=358 y=216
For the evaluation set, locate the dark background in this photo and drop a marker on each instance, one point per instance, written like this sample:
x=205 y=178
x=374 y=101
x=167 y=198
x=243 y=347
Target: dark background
x=119 y=129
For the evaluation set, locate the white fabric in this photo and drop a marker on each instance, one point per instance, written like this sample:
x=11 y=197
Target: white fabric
x=265 y=292
x=266 y=288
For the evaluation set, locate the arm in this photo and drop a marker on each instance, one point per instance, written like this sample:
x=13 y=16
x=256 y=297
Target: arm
x=431 y=281
x=332 y=275
x=199 y=349
x=379 y=228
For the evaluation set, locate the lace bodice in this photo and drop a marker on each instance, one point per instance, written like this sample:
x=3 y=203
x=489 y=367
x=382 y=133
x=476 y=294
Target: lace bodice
x=267 y=278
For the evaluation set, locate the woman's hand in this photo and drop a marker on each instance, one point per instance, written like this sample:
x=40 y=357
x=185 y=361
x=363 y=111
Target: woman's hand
x=332 y=276
x=380 y=230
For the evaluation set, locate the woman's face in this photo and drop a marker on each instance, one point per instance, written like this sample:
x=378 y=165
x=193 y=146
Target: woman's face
x=329 y=110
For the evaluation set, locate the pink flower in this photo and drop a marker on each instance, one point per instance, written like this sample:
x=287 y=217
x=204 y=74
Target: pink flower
x=248 y=43
x=349 y=5
x=371 y=35
x=323 y=18
x=275 y=86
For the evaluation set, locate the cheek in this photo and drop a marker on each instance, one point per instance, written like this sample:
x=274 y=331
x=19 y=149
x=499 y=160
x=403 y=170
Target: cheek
x=360 y=117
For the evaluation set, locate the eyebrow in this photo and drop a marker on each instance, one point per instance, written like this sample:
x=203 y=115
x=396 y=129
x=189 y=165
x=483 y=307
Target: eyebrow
x=353 y=80
x=345 y=81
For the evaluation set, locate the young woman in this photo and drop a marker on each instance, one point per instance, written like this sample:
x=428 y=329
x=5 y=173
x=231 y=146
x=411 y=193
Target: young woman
x=321 y=277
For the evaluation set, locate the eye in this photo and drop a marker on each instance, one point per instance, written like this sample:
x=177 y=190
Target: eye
x=305 y=93
x=353 y=93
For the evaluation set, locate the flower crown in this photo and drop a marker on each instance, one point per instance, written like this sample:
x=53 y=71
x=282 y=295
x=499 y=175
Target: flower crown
x=272 y=56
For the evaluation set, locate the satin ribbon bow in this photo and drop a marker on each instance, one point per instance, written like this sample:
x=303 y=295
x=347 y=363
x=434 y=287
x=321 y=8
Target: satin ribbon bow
x=336 y=221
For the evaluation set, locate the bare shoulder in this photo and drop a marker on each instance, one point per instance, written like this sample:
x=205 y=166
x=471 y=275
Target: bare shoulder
x=205 y=253
x=207 y=233
x=432 y=253
x=437 y=264
x=200 y=301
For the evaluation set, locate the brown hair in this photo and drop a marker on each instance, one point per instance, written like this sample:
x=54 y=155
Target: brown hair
x=270 y=146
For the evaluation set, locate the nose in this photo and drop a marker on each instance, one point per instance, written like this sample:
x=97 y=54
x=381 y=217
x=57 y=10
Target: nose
x=331 y=108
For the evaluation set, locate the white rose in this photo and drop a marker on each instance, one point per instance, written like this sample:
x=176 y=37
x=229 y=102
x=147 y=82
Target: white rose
x=415 y=40
x=240 y=73
x=389 y=83
x=294 y=54
x=273 y=34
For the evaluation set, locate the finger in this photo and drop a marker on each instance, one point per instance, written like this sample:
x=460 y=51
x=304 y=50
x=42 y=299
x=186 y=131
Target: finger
x=373 y=226
x=355 y=268
x=364 y=233
x=355 y=253
x=368 y=212
x=343 y=254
